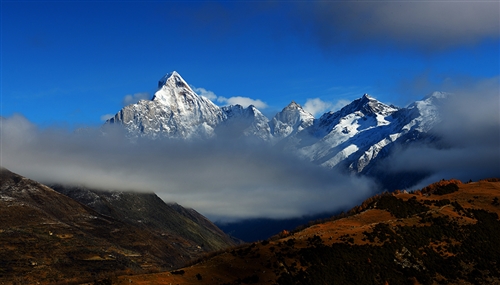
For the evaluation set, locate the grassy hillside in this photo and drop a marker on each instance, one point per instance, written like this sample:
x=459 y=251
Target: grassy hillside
x=446 y=233
x=150 y=213
x=49 y=238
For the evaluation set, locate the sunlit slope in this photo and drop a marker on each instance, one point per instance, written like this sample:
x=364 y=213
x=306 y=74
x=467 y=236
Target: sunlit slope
x=446 y=233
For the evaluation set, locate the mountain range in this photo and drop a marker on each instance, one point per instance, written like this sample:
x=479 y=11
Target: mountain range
x=354 y=139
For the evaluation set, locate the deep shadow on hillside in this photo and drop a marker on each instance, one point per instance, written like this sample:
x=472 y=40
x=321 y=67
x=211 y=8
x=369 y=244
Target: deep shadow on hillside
x=252 y=230
x=49 y=238
x=446 y=233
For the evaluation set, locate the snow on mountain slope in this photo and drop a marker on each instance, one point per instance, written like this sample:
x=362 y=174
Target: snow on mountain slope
x=340 y=134
x=352 y=139
x=175 y=111
x=419 y=117
x=249 y=122
x=292 y=119
x=386 y=126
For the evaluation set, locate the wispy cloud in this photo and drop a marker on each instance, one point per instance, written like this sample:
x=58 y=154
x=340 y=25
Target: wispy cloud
x=132 y=99
x=316 y=106
x=243 y=101
x=106 y=117
x=205 y=93
x=340 y=104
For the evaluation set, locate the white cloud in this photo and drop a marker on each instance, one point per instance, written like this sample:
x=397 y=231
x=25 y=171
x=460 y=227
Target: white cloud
x=105 y=117
x=222 y=179
x=469 y=138
x=243 y=101
x=205 y=93
x=132 y=99
x=316 y=106
x=340 y=104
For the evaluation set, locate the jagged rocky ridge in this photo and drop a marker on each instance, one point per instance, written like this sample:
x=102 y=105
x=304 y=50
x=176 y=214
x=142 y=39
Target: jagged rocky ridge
x=352 y=139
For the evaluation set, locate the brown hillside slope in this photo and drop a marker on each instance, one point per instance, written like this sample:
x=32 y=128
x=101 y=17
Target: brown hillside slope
x=150 y=213
x=446 y=233
x=49 y=238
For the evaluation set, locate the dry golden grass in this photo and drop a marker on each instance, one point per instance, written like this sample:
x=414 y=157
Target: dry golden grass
x=229 y=267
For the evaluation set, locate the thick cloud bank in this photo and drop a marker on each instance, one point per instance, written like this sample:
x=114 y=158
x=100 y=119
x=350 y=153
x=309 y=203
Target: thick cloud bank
x=228 y=179
x=426 y=25
x=469 y=138
x=223 y=179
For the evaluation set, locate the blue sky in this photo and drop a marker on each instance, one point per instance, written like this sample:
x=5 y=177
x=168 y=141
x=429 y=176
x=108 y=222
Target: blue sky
x=70 y=63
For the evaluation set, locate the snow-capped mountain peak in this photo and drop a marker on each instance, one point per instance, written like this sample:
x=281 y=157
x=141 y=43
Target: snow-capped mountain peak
x=359 y=108
x=354 y=137
x=370 y=105
x=175 y=111
x=424 y=113
x=249 y=122
x=367 y=97
x=293 y=118
x=172 y=87
x=238 y=110
x=172 y=79
x=293 y=106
